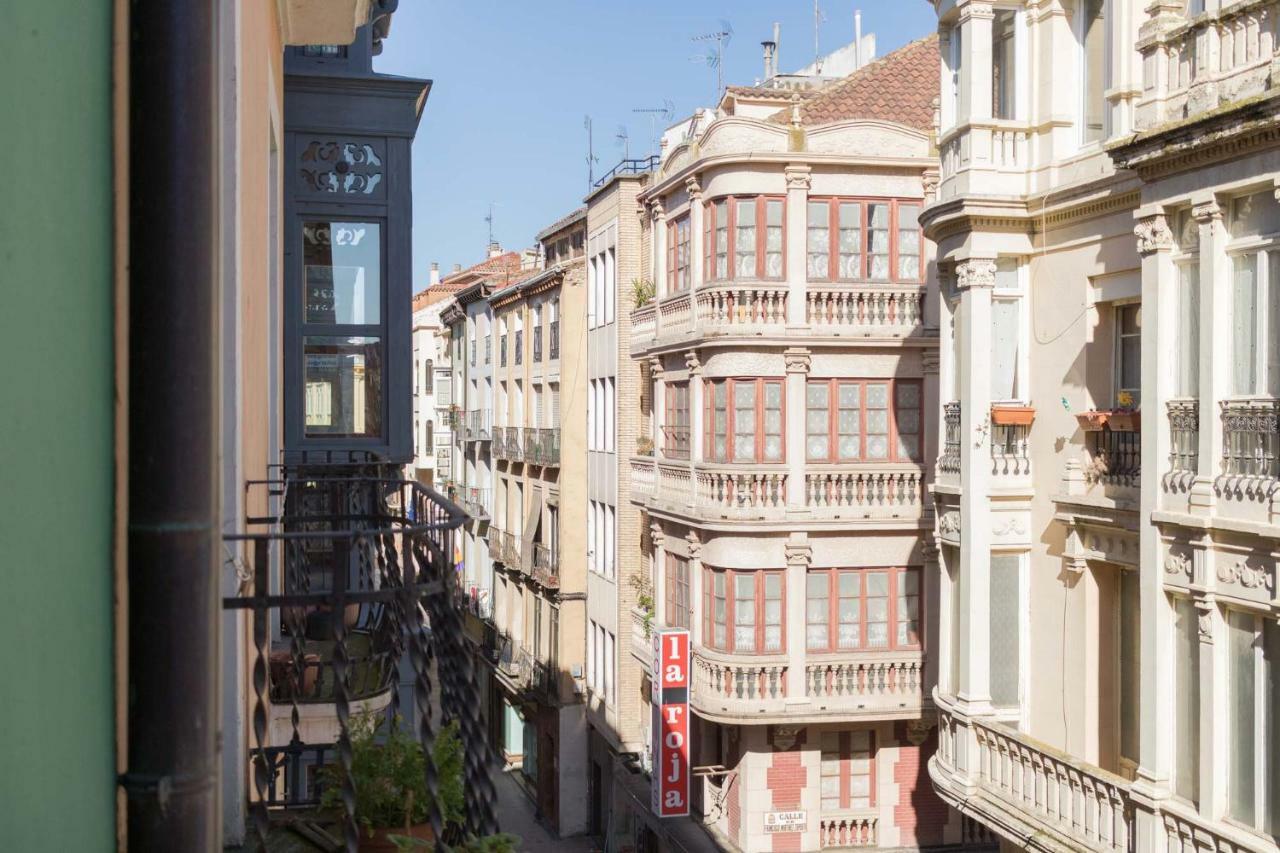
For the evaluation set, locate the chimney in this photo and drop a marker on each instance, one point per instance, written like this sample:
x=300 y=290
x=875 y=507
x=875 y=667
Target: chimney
x=435 y=272
x=769 y=48
x=857 y=39
x=494 y=249
x=457 y=267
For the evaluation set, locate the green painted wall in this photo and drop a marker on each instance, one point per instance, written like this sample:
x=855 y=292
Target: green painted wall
x=57 y=760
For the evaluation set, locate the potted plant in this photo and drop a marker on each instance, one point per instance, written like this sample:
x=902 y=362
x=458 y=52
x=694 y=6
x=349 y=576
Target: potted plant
x=642 y=291
x=1125 y=418
x=644 y=445
x=387 y=768
x=1003 y=414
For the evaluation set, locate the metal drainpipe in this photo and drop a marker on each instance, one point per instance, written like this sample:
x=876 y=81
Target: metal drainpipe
x=172 y=538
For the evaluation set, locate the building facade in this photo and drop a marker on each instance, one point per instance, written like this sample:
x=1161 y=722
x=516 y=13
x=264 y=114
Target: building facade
x=432 y=386
x=1104 y=230
x=790 y=357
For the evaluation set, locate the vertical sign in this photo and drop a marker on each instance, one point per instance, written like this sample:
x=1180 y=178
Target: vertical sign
x=670 y=725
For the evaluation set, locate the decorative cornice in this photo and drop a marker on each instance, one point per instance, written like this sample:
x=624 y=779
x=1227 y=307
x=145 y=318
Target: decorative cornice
x=1153 y=234
x=1250 y=577
x=976 y=272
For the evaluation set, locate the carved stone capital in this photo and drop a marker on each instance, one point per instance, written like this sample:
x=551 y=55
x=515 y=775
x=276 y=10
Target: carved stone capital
x=692 y=362
x=798 y=177
x=695 y=544
x=976 y=272
x=693 y=188
x=655 y=368
x=931 y=182
x=657 y=211
x=1209 y=211
x=655 y=533
x=918 y=730
x=976 y=10
x=798 y=554
x=1153 y=234
x=797 y=360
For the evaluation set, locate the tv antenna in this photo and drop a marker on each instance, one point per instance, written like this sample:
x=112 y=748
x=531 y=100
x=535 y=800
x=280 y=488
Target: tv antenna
x=819 y=17
x=667 y=112
x=714 y=57
x=489 y=221
x=624 y=141
x=592 y=159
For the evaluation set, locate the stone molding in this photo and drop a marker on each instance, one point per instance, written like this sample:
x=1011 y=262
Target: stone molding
x=1153 y=234
x=693 y=188
x=976 y=272
x=798 y=177
x=1208 y=211
x=693 y=363
x=798 y=360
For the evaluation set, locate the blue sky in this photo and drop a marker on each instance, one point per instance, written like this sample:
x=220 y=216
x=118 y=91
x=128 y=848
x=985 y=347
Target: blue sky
x=513 y=80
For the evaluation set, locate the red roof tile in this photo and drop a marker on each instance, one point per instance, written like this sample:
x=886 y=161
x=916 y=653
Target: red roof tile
x=899 y=87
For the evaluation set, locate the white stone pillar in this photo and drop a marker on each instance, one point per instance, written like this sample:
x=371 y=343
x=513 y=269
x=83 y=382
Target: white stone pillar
x=799 y=554
x=1155 y=246
x=659 y=572
x=659 y=259
x=797 y=360
x=975 y=67
x=932 y=409
x=798 y=182
x=1214 y=719
x=1215 y=359
x=696 y=406
x=695 y=587
x=976 y=279
x=695 y=232
x=659 y=418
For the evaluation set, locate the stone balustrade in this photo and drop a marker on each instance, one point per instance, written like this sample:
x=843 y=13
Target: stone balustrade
x=878 y=492
x=742 y=685
x=864 y=309
x=851 y=828
x=730 y=309
x=866 y=680
x=643 y=475
x=753 y=493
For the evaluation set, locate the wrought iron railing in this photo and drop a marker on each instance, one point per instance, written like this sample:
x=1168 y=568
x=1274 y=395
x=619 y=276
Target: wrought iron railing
x=546 y=566
x=554 y=339
x=949 y=461
x=537 y=343
x=629 y=166
x=1251 y=438
x=542 y=445
x=1117 y=457
x=349 y=590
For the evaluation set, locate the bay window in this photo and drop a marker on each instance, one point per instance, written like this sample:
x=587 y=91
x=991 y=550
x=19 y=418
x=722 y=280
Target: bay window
x=678 y=261
x=853 y=420
x=745 y=238
x=1253 y=649
x=675 y=430
x=1003 y=64
x=743 y=610
x=1255 y=288
x=676 y=613
x=847 y=770
x=837 y=241
x=744 y=420
x=862 y=609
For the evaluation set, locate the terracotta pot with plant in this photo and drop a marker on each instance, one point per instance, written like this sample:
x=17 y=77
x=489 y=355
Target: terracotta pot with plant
x=387 y=767
x=1008 y=415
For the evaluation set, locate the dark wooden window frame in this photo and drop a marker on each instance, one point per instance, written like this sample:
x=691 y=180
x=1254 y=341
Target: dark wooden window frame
x=708 y=619
x=895 y=574
x=761 y=225
x=833 y=232
x=833 y=413
x=708 y=429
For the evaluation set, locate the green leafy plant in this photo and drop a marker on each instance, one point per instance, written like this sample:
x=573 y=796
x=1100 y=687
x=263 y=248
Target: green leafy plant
x=503 y=842
x=644 y=599
x=644 y=445
x=388 y=766
x=642 y=291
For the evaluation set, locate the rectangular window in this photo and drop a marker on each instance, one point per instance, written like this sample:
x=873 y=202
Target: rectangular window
x=1186 y=688
x=862 y=609
x=720 y=224
x=849 y=236
x=818 y=241
x=744 y=239
x=1006 y=332
x=1129 y=353
x=1094 y=63
x=892 y=240
x=1255 y=282
x=863 y=426
x=1189 y=329
x=744 y=420
x=1129 y=694
x=678 y=255
x=677 y=610
x=878 y=242
x=773 y=240
x=847 y=770
x=754 y=609
x=1005 y=631
x=343 y=386
x=676 y=429
x=1003 y=62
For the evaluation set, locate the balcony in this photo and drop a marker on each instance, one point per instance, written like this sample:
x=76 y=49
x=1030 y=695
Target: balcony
x=508 y=552
x=334 y=590
x=542 y=446
x=1251 y=438
x=479 y=425
x=1116 y=458
x=494 y=540
x=507 y=444
x=1184 y=442
x=546 y=566
x=1010 y=450
x=476 y=502
x=849 y=828
x=759 y=310
x=889 y=491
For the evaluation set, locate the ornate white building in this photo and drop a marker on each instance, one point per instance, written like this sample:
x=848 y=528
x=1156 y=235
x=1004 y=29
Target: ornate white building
x=1105 y=231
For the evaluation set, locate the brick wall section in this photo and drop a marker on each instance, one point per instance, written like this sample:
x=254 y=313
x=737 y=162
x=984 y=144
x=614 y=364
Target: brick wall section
x=786 y=778
x=733 y=807
x=920 y=815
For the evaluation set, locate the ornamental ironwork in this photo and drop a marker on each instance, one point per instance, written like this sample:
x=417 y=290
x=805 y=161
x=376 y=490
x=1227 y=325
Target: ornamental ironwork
x=349 y=168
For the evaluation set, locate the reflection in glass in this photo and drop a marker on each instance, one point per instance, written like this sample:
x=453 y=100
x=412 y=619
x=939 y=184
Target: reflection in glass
x=343 y=386
x=342 y=271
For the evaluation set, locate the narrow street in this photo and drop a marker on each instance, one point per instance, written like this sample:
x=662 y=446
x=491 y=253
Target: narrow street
x=516 y=816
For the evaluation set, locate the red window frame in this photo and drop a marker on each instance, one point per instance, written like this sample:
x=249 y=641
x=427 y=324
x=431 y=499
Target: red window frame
x=846 y=767
x=708 y=611
x=679 y=264
x=896 y=575
x=730 y=203
x=674 y=615
x=676 y=432
x=833 y=418
x=833 y=243
x=708 y=432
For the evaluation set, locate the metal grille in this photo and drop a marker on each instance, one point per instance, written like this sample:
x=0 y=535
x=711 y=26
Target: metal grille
x=1118 y=456
x=351 y=592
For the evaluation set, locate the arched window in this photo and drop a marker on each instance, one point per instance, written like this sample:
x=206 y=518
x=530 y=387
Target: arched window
x=430 y=436
x=427 y=378
x=415 y=376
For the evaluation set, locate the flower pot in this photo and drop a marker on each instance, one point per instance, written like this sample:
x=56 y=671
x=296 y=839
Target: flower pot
x=377 y=841
x=1012 y=415
x=1126 y=421
x=282 y=671
x=1093 y=421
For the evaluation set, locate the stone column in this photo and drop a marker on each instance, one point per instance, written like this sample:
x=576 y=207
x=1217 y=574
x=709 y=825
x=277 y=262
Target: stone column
x=695 y=587
x=1215 y=363
x=696 y=406
x=659 y=572
x=1214 y=749
x=797 y=360
x=975 y=67
x=1155 y=246
x=976 y=279
x=695 y=233
x=799 y=554
x=659 y=257
x=798 y=182
x=932 y=409
x=658 y=419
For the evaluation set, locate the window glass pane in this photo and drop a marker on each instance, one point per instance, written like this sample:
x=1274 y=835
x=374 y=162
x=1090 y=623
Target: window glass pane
x=773 y=612
x=744 y=421
x=1242 y=717
x=908 y=608
x=1189 y=329
x=773 y=421
x=850 y=221
x=744 y=612
x=817 y=443
x=745 y=240
x=722 y=240
x=1244 y=308
x=908 y=242
x=1255 y=215
x=342 y=272
x=1002 y=64
x=1130 y=655
x=848 y=614
x=877 y=610
x=818 y=241
x=1005 y=338
x=877 y=417
x=1273 y=321
x=1006 y=617
x=817 y=611
x=1186 y=687
x=878 y=242
x=773 y=238
x=1094 y=61
x=343 y=393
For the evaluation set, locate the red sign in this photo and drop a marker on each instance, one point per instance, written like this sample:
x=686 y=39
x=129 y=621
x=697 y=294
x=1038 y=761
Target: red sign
x=670 y=725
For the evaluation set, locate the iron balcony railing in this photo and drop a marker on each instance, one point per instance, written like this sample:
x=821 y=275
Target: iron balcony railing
x=949 y=461
x=1251 y=438
x=510 y=553
x=348 y=592
x=476 y=501
x=494 y=540
x=479 y=424
x=537 y=343
x=554 y=342
x=1117 y=457
x=630 y=166
x=519 y=346
x=506 y=444
x=542 y=446
x=546 y=566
